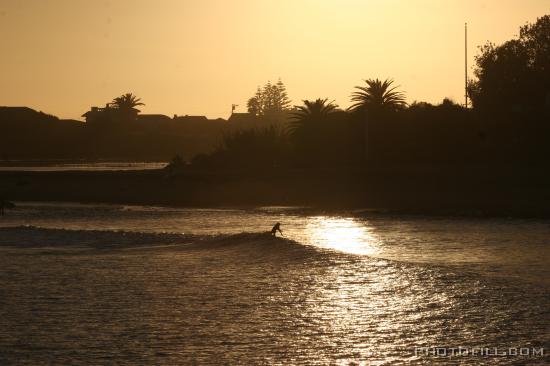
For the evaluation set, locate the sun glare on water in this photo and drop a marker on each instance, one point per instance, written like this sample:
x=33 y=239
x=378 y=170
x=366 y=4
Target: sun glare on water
x=343 y=234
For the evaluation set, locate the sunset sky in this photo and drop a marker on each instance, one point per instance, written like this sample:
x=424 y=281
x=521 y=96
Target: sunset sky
x=198 y=57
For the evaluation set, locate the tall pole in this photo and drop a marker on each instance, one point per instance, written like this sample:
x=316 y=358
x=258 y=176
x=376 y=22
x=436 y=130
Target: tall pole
x=466 y=65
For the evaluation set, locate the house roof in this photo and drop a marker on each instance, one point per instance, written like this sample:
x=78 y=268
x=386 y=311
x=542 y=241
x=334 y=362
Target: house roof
x=191 y=119
x=152 y=117
x=242 y=117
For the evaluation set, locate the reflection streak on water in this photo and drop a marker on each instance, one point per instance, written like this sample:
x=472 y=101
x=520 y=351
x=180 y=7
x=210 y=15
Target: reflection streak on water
x=344 y=234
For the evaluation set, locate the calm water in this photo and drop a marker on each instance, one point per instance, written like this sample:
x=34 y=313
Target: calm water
x=104 y=284
x=82 y=167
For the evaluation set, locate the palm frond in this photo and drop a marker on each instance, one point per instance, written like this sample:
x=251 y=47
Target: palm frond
x=310 y=114
x=377 y=94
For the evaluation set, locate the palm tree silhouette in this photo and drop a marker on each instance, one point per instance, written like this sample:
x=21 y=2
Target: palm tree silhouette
x=312 y=112
x=126 y=106
x=127 y=102
x=373 y=101
x=377 y=95
x=308 y=128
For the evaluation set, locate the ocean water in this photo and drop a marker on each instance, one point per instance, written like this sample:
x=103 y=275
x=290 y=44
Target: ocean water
x=59 y=167
x=134 y=285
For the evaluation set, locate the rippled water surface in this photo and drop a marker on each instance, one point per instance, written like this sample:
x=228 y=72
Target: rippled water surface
x=59 y=167
x=104 y=284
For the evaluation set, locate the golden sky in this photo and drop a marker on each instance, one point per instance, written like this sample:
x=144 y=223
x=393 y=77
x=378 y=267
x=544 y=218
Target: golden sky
x=198 y=57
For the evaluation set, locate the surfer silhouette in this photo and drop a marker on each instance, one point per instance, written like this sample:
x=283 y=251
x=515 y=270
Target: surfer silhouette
x=276 y=228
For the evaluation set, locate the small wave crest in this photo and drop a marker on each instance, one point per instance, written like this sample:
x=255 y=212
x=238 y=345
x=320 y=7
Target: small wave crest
x=39 y=237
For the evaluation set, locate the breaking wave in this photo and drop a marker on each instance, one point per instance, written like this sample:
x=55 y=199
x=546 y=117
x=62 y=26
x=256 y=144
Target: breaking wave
x=39 y=237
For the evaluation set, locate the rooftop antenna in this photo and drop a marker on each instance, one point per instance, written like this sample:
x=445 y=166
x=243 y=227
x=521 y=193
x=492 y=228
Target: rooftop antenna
x=466 y=65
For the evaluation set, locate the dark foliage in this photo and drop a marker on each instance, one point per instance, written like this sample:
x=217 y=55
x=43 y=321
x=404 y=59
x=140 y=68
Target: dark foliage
x=509 y=123
x=255 y=148
x=515 y=77
x=270 y=101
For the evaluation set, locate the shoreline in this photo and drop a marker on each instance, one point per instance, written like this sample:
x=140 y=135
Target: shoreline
x=341 y=190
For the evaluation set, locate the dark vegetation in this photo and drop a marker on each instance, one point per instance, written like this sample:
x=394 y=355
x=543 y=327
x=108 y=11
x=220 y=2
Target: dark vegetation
x=116 y=132
x=380 y=152
x=509 y=124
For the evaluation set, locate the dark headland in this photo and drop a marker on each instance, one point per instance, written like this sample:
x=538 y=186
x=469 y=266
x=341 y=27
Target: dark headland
x=470 y=191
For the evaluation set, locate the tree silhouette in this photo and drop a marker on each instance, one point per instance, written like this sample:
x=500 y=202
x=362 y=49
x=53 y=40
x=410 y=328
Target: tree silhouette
x=270 y=101
x=309 y=129
x=282 y=96
x=253 y=106
x=514 y=76
x=125 y=107
x=377 y=95
x=309 y=114
x=374 y=101
x=127 y=102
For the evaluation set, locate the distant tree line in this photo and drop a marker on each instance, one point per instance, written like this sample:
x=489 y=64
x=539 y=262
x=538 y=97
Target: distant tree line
x=508 y=124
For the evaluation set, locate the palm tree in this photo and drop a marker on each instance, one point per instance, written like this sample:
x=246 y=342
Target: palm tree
x=127 y=102
x=310 y=113
x=308 y=128
x=373 y=101
x=126 y=106
x=377 y=95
